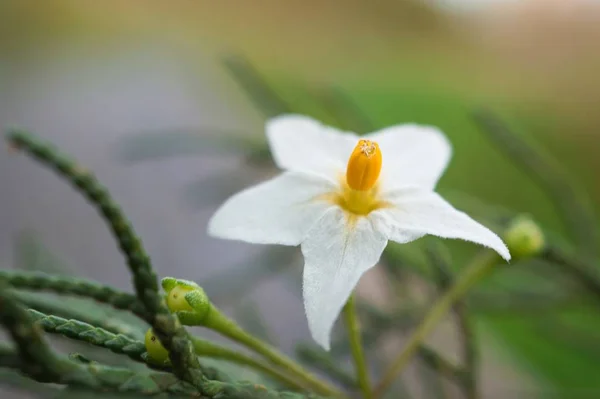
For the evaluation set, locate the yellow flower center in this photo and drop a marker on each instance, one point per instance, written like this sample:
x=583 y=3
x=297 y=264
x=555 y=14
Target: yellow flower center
x=364 y=166
x=358 y=194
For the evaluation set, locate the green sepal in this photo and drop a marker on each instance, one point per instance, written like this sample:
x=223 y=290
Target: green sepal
x=190 y=318
x=168 y=283
x=199 y=301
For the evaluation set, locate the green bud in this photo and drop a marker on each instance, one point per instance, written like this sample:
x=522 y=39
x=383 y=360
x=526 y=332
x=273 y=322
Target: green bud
x=524 y=238
x=168 y=283
x=156 y=351
x=188 y=300
x=176 y=299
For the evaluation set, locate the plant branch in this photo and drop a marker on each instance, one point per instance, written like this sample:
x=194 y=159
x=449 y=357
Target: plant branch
x=168 y=329
x=478 y=269
x=445 y=279
x=360 y=363
x=66 y=285
x=75 y=329
x=119 y=343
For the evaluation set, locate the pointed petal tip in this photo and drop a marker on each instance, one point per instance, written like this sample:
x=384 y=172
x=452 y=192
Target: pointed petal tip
x=505 y=253
x=322 y=340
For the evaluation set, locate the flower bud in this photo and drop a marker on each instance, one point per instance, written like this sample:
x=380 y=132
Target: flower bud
x=156 y=351
x=176 y=301
x=524 y=238
x=188 y=300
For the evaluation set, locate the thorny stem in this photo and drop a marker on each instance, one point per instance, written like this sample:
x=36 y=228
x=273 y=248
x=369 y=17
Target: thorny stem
x=360 y=364
x=479 y=268
x=75 y=329
x=168 y=329
x=66 y=285
x=59 y=307
x=122 y=344
x=38 y=361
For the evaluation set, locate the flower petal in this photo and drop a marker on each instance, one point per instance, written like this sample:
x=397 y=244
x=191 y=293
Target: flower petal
x=279 y=211
x=417 y=211
x=337 y=251
x=413 y=155
x=303 y=144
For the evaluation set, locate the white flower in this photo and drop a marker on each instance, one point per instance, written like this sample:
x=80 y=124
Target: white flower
x=342 y=198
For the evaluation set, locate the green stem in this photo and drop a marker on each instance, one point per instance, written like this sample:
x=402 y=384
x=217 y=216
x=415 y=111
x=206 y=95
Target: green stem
x=66 y=285
x=445 y=278
x=217 y=321
x=59 y=307
x=362 y=373
x=324 y=362
x=170 y=332
x=119 y=343
x=205 y=348
x=479 y=268
x=75 y=329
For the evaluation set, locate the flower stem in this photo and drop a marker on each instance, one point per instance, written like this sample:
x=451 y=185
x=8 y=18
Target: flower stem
x=362 y=373
x=479 y=268
x=217 y=321
x=208 y=349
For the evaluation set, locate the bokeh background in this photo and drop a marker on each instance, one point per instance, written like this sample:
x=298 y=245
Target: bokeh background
x=166 y=102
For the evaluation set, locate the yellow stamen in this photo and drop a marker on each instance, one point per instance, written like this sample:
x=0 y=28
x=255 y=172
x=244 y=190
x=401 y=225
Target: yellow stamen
x=364 y=166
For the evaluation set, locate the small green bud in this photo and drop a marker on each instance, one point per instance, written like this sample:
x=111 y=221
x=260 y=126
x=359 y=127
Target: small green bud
x=188 y=300
x=524 y=238
x=168 y=283
x=156 y=351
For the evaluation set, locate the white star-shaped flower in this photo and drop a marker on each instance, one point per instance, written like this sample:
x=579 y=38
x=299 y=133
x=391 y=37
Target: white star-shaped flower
x=341 y=198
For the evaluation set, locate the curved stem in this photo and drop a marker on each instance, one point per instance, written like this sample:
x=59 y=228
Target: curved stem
x=205 y=348
x=479 y=268
x=122 y=344
x=75 y=329
x=67 y=285
x=227 y=327
x=362 y=373
x=170 y=332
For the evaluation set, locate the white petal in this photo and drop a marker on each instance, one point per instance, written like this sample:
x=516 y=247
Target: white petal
x=426 y=212
x=279 y=211
x=413 y=155
x=303 y=144
x=336 y=254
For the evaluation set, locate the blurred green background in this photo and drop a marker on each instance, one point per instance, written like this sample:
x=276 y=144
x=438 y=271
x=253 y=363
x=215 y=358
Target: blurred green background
x=119 y=82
